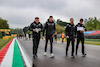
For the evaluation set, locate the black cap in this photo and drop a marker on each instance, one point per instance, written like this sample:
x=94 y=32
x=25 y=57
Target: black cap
x=50 y=16
x=81 y=19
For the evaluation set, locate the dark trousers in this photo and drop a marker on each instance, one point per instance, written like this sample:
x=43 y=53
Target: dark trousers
x=68 y=43
x=35 y=44
x=51 y=46
x=62 y=40
x=82 y=41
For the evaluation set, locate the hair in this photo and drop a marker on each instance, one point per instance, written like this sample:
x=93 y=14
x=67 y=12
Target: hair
x=81 y=19
x=36 y=17
x=70 y=19
x=50 y=16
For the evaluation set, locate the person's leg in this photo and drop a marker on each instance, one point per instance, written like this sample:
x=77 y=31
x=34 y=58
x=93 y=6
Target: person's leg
x=38 y=39
x=78 y=40
x=51 y=46
x=62 y=40
x=52 y=39
x=68 y=43
x=72 y=47
x=82 y=41
x=34 y=46
x=46 y=43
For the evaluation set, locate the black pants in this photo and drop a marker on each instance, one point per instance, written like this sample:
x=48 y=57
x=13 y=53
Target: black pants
x=35 y=44
x=62 y=40
x=82 y=41
x=68 y=43
x=51 y=46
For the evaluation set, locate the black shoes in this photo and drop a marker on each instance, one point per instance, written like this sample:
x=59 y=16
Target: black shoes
x=35 y=56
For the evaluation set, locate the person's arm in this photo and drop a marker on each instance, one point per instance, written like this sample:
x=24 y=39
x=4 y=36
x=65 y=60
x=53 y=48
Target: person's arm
x=75 y=31
x=41 y=28
x=54 y=28
x=45 y=27
x=85 y=28
x=66 y=31
x=31 y=27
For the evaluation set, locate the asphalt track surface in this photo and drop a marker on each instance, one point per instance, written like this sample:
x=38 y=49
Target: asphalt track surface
x=91 y=60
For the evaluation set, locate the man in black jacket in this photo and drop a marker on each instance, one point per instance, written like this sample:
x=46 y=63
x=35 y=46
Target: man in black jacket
x=70 y=32
x=80 y=36
x=36 y=27
x=50 y=30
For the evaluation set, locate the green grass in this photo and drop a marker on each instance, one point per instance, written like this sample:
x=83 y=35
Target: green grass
x=93 y=42
x=90 y=41
x=3 y=43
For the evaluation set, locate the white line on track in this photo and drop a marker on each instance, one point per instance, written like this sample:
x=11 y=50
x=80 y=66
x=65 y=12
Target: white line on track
x=24 y=56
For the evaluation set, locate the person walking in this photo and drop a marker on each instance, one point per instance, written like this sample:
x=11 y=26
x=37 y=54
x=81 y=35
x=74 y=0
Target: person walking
x=80 y=36
x=50 y=30
x=62 y=37
x=36 y=27
x=70 y=32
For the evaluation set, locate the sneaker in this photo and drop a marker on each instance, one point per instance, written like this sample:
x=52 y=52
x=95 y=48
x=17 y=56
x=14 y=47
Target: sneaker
x=34 y=56
x=66 y=54
x=45 y=54
x=52 y=55
x=72 y=56
x=83 y=55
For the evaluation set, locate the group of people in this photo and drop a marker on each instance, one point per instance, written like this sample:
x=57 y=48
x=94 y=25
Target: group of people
x=71 y=33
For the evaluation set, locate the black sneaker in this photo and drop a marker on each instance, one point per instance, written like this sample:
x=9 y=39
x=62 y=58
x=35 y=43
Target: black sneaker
x=34 y=56
x=66 y=54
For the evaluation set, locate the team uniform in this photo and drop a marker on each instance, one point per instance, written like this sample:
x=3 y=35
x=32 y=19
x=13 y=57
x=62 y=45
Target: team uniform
x=36 y=35
x=49 y=27
x=71 y=32
x=80 y=37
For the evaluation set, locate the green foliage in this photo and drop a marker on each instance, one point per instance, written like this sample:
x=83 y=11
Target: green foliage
x=62 y=23
x=17 y=31
x=93 y=24
x=59 y=29
x=3 y=43
x=3 y=24
x=29 y=32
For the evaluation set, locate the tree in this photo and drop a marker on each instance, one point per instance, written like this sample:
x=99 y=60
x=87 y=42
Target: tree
x=17 y=31
x=62 y=23
x=3 y=24
x=59 y=29
x=92 y=24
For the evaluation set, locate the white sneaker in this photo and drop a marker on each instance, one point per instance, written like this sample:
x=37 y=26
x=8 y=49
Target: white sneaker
x=84 y=55
x=45 y=54
x=52 y=55
x=72 y=56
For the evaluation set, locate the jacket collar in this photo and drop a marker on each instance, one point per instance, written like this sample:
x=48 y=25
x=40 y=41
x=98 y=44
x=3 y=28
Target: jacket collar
x=35 y=22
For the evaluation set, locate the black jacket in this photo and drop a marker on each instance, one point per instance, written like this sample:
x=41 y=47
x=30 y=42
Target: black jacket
x=70 y=30
x=34 y=26
x=79 y=34
x=49 y=27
